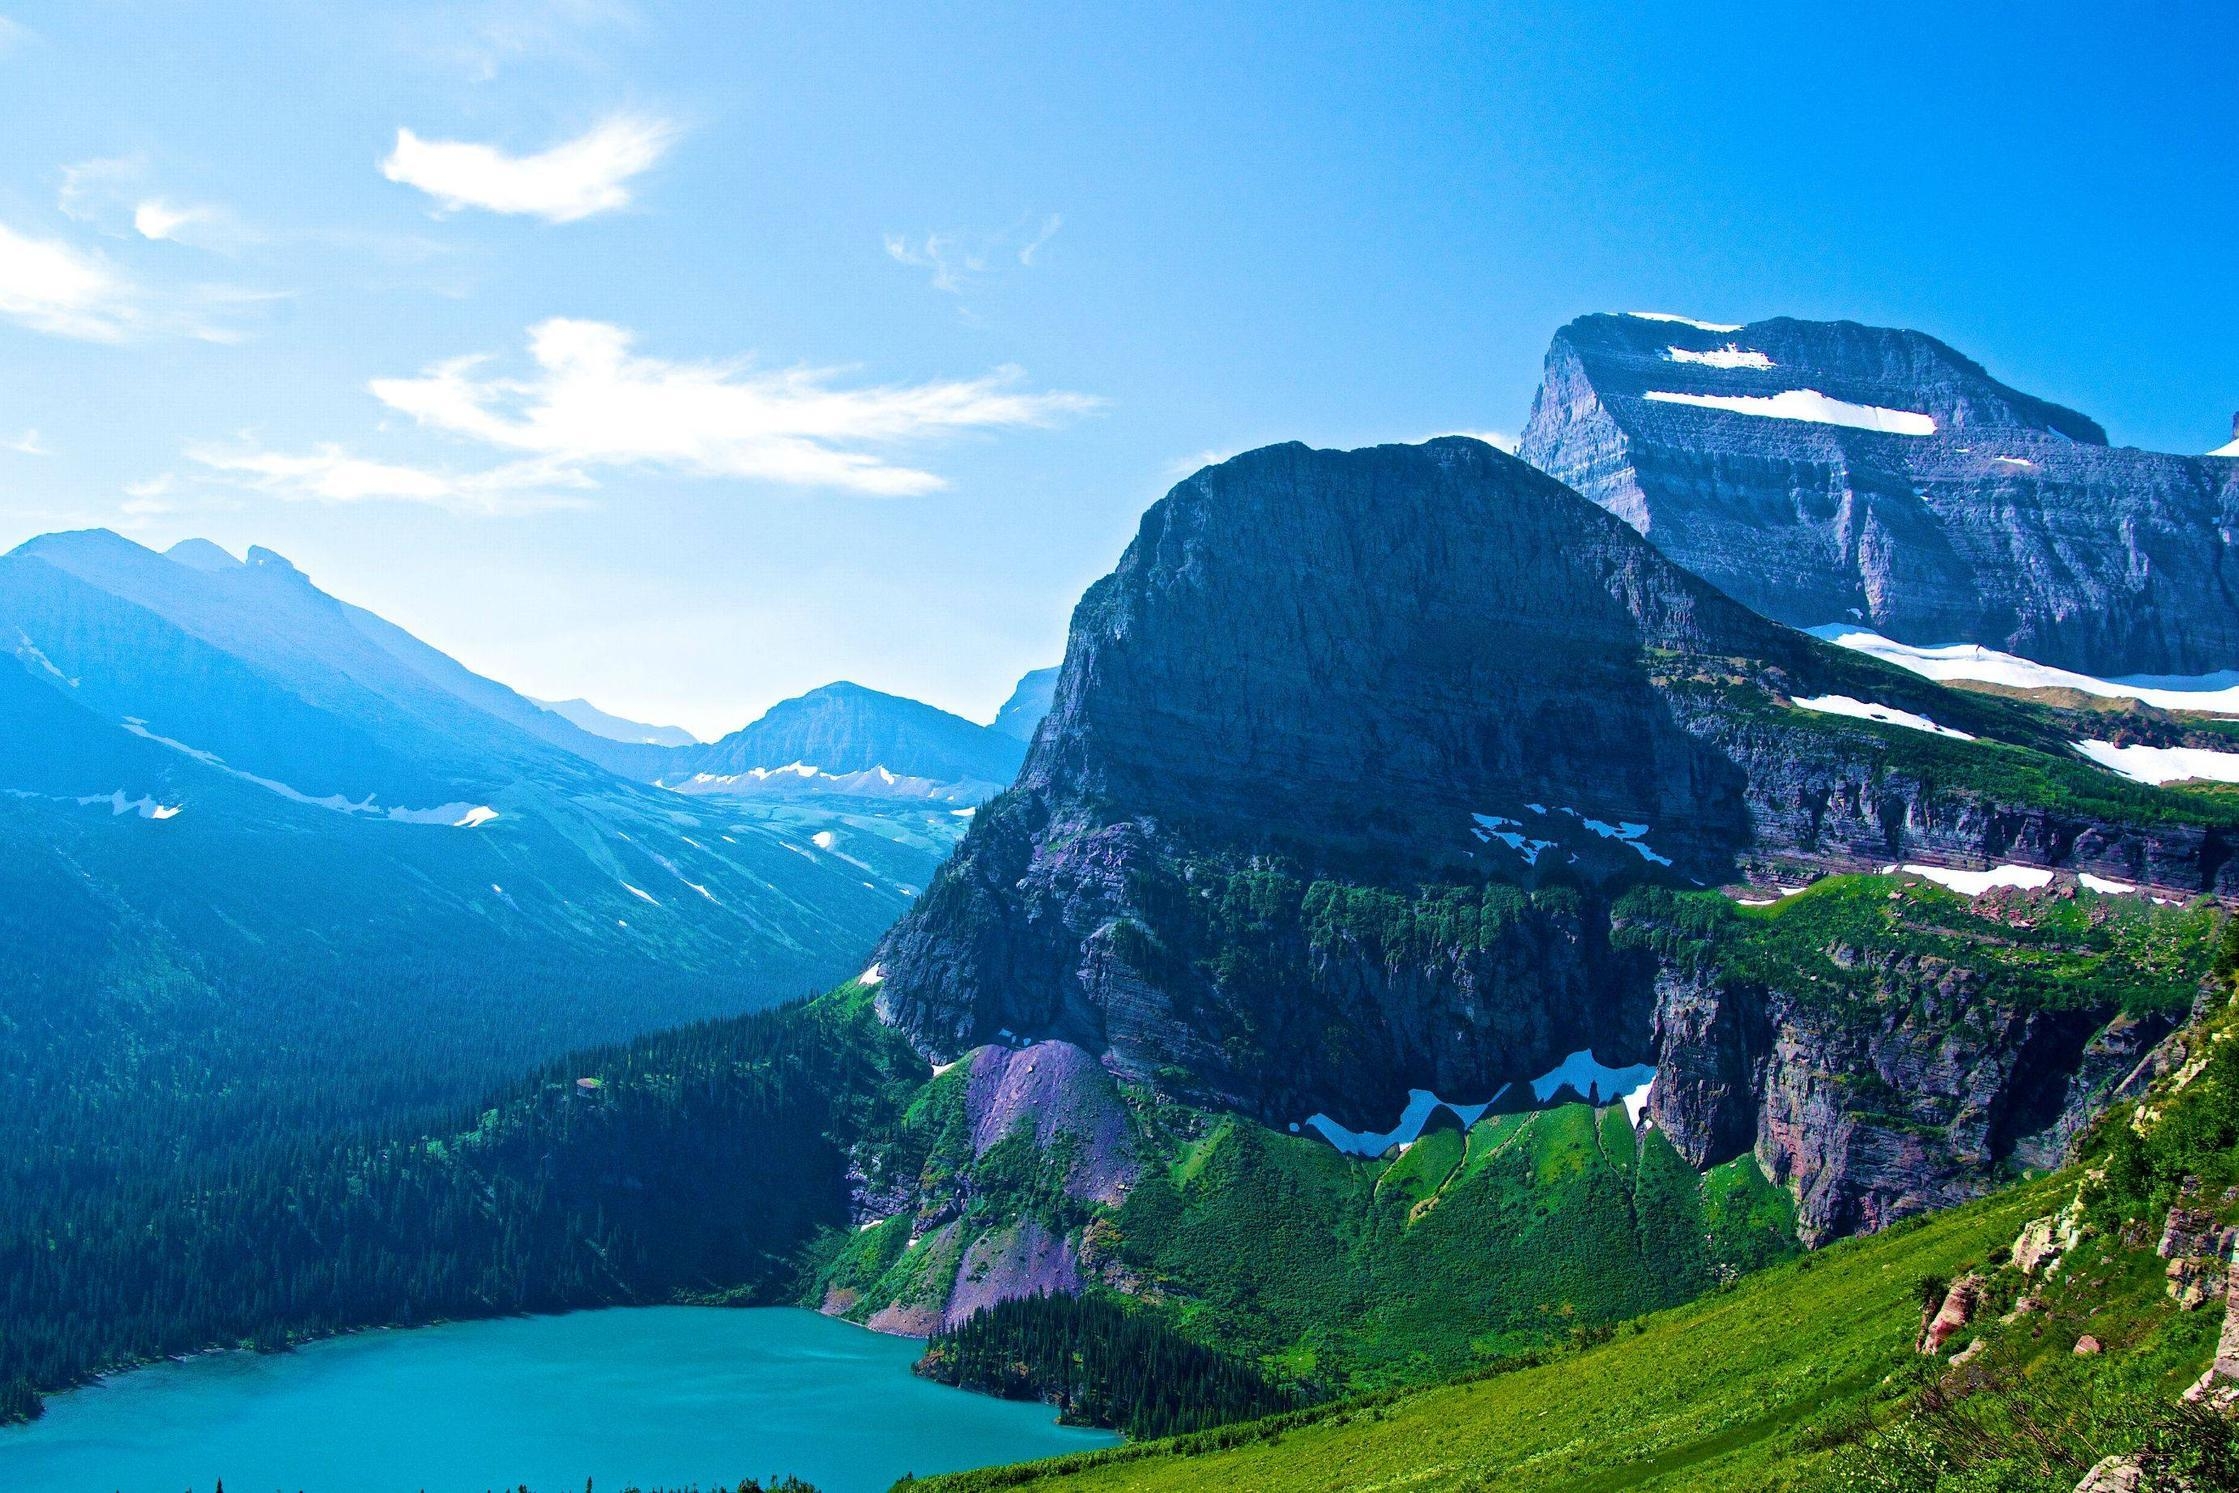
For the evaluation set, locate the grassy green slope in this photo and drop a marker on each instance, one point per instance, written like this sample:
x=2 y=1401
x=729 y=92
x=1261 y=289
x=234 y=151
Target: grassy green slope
x=1804 y=1376
x=1703 y=1396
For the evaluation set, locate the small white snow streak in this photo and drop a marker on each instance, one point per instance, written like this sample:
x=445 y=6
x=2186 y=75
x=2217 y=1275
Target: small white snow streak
x=1975 y=883
x=2104 y=884
x=876 y=974
x=640 y=893
x=1728 y=356
x=1887 y=715
x=1808 y=405
x=2152 y=764
x=1687 y=321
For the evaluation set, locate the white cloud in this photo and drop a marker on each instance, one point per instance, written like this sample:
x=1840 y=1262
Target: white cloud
x=53 y=288
x=957 y=259
x=595 y=403
x=330 y=474
x=12 y=35
x=29 y=444
x=572 y=180
x=1184 y=466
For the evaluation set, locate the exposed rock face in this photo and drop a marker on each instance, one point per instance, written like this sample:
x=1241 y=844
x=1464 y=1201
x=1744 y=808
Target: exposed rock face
x=1419 y=664
x=1023 y=1260
x=1876 y=1109
x=1069 y=1105
x=2013 y=524
x=1956 y=1311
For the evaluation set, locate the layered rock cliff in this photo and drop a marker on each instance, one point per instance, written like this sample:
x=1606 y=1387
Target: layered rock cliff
x=1827 y=472
x=1353 y=755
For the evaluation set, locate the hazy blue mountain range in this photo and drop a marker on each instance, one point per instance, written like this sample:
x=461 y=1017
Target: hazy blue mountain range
x=1829 y=472
x=271 y=864
x=583 y=714
x=849 y=740
x=1022 y=713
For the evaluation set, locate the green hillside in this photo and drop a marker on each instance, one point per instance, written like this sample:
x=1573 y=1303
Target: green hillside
x=1806 y=1375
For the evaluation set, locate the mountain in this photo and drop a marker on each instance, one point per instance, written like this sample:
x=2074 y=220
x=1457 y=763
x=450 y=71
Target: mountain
x=1022 y=713
x=588 y=717
x=1828 y=472
x=845 y=739
x=1334 y=985
x=1391 y=770
x=273 y=868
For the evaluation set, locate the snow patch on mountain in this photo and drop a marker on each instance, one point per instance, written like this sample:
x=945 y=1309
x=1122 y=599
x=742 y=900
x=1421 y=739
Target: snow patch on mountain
x=1975 y=883
x=2157 y=765
x=1687 y=321
x=1592 y=1079
x=2210 y=694
x=1865 y=710
x=1421 y=1105
x=1808 y=405
x=1729 y=356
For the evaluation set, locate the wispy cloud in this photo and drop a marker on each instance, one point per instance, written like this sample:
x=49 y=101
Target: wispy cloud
x=113 y=194
x=51 y=287
x=957 y=260
x=1183 y=466
x=593 y=402
x=570 y=181
x=332 y=474
x=29 y=444
x=482 y=39
x=12 y=36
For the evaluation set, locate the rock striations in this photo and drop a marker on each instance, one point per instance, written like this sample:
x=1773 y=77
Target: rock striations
x=1828 y=472
x=1354 y=754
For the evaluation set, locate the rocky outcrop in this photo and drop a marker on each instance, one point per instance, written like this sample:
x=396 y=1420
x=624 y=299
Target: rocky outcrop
x=2198 y=1250
x=1066 y=1103
x=2011 y=522
x=1908 y=1098
x=1009 y=1264
x=1954 y=1311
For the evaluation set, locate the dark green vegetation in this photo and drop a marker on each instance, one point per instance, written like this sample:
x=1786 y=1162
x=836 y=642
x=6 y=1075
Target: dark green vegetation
x=2044 y=774
x=1101 y=1364
x=1840 y=939
x=704 y=1167
x=1805 y=1375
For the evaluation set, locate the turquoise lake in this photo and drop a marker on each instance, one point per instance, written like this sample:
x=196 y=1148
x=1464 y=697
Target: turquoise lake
x=659 y=1396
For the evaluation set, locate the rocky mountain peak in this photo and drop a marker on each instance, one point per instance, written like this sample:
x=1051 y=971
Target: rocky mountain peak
x=1829 y=472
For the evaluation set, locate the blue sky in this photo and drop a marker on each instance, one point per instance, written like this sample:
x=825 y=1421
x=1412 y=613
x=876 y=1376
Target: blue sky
x=688 y=356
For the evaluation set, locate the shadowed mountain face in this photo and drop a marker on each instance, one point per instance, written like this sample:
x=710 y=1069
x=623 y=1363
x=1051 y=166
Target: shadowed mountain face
x=1826 y=472
x=1322 y=687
